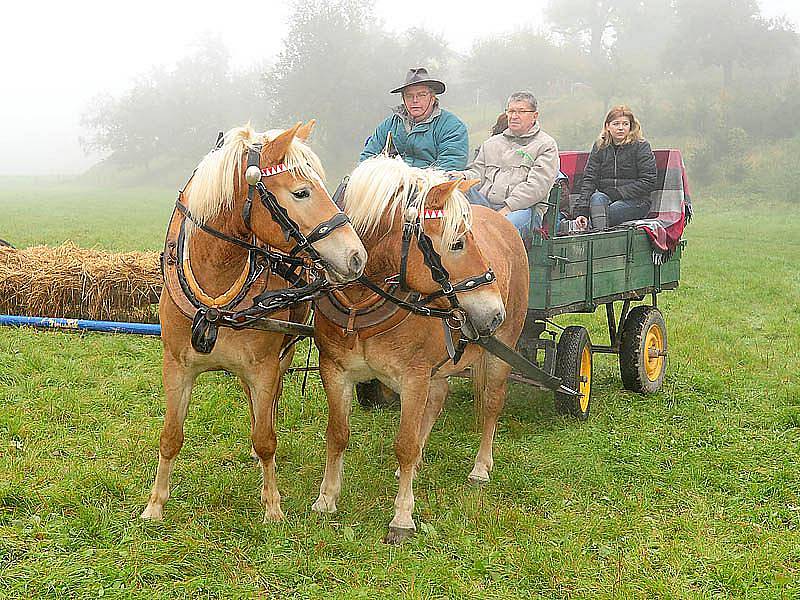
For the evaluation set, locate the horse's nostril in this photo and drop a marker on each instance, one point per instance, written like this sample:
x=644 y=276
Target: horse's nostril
x=356 y=263
x=497 y=321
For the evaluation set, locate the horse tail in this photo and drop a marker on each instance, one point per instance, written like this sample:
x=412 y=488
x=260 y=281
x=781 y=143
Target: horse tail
x=480 y=384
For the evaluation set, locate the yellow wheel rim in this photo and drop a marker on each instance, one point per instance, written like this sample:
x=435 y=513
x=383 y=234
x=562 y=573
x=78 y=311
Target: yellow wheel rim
x=654 y=352
x=585 y=386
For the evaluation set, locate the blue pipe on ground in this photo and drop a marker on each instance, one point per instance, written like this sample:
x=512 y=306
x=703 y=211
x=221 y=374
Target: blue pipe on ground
x=81 y=325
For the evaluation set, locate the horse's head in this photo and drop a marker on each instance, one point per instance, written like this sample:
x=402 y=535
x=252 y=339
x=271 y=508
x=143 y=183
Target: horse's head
x=292 y=176
x=386 y=196
x=444 y=216
x=287 y=205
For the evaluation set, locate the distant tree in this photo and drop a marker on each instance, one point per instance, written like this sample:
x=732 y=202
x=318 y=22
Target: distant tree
x=336 y=66
x=421 y=48
x=586 y=23
x=498 y=66
x=173 y=114
x=727 y=33
x=642 y=34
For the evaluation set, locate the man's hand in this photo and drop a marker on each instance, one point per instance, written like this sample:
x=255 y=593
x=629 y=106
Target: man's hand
x=505 y=211
x=582 y=222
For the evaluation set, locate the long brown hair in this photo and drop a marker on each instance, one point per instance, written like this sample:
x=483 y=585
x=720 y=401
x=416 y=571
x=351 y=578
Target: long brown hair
x=621 y=110
x=500 y=125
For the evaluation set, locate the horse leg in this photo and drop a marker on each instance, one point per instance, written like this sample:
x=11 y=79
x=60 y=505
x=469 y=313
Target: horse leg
x=178 y=383
x=437 y=394
x=264 y=393
x=413 y=402
x=493 y=399
x=249 y=396
x=339 y=392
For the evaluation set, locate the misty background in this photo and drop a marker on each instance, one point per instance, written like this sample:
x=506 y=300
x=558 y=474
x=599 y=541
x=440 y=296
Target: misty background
x=137 y=97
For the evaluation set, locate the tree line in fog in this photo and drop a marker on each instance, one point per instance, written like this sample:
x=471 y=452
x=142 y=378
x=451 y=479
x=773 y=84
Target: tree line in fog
x=715 y=74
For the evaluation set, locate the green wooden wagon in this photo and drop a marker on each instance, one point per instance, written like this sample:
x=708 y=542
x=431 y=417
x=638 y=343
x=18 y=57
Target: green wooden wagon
x=579 y=274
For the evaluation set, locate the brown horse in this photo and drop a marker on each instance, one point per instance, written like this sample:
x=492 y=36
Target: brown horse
x=411 y=357
x=217 y=198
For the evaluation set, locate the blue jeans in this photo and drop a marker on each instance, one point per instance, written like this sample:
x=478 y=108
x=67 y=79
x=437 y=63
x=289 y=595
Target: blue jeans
x=621 y=210
x=521 y=219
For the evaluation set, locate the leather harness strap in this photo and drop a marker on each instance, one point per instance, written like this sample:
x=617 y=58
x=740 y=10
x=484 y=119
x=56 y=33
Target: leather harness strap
x=177 y=277
x=248 y=299
x=370 y=316
x=386 y=309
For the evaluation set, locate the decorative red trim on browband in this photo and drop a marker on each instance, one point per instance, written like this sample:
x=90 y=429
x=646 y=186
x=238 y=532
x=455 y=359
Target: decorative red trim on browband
x=434 y=214
x=274 y=170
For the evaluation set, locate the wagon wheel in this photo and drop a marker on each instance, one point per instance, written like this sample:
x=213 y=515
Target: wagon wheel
x=643 y=350
x=373 y=394
x=574 y=368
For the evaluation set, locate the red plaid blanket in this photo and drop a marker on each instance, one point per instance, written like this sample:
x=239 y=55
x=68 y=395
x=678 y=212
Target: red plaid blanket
x=670 y=203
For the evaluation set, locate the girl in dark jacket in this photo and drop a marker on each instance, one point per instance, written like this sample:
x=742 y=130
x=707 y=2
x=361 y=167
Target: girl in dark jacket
x=619 y=175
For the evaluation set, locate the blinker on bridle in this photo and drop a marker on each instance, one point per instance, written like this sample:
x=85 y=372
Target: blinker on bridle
x=289 y=266
x=254 y=176
x=455 y=316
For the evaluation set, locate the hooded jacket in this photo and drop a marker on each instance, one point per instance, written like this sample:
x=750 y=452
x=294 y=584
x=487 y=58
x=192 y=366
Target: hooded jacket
x=439 y=141
x=630 y=169
x=516 y=171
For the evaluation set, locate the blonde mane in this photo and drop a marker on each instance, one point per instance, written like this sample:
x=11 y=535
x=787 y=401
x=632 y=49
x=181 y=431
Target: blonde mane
x=380 y=185
x=213 y=182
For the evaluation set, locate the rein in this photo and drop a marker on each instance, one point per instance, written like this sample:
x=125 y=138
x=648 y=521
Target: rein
x=208 y=318
x=454 y=317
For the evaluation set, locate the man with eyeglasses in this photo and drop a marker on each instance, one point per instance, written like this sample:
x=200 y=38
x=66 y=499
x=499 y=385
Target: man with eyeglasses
x=517 y=167
x=424 y=134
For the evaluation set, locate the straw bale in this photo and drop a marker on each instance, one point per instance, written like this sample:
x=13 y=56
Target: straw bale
x=80 y=283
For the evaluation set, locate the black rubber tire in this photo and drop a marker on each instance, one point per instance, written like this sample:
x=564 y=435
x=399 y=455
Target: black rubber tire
x=371 y=394
x=5 y=243
x=572 y=344
x=633 y=363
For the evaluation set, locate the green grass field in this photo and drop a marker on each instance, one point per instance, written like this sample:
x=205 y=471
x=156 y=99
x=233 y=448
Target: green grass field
x=690 y=493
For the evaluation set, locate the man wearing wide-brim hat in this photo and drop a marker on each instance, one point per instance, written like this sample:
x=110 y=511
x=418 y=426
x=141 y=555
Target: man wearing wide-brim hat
x=424 y=134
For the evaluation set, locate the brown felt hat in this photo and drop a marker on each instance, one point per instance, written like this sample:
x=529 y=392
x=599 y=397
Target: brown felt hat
x=419 y=76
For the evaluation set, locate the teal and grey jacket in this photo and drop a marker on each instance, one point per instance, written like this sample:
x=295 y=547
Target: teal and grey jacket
x=439 y=141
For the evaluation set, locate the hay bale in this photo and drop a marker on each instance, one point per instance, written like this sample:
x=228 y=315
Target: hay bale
x=80 y=283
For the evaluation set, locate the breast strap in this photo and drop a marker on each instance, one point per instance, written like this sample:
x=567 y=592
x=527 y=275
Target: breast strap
x=369 y=317
x=175 y=279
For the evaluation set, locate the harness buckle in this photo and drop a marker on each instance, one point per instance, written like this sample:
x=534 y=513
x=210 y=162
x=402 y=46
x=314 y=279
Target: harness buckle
x=456 y=318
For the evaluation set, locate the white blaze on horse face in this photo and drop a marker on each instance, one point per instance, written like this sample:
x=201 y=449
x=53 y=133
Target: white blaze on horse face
x=485 y=310
x=344 y=253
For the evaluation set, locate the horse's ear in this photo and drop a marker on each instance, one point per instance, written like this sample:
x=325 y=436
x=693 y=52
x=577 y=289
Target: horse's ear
x=439 y=194
x=305 y=130
x=465 y=184
x=389 y=149
x=275 y=151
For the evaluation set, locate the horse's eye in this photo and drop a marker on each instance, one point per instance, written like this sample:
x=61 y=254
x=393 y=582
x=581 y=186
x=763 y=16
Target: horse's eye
x=301 y=194
x=458 y=245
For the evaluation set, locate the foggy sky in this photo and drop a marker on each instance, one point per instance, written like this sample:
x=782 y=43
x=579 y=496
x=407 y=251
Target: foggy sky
x=57 y=56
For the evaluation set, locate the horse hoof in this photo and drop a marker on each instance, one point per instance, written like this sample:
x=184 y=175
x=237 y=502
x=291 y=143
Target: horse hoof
x=323 y=506
x=398 y=535
x=273 y=515
x=478 y=480
x=152 y=513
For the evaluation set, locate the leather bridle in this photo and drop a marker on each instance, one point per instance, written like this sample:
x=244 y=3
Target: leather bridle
x=304 y=274
x=454 y=317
